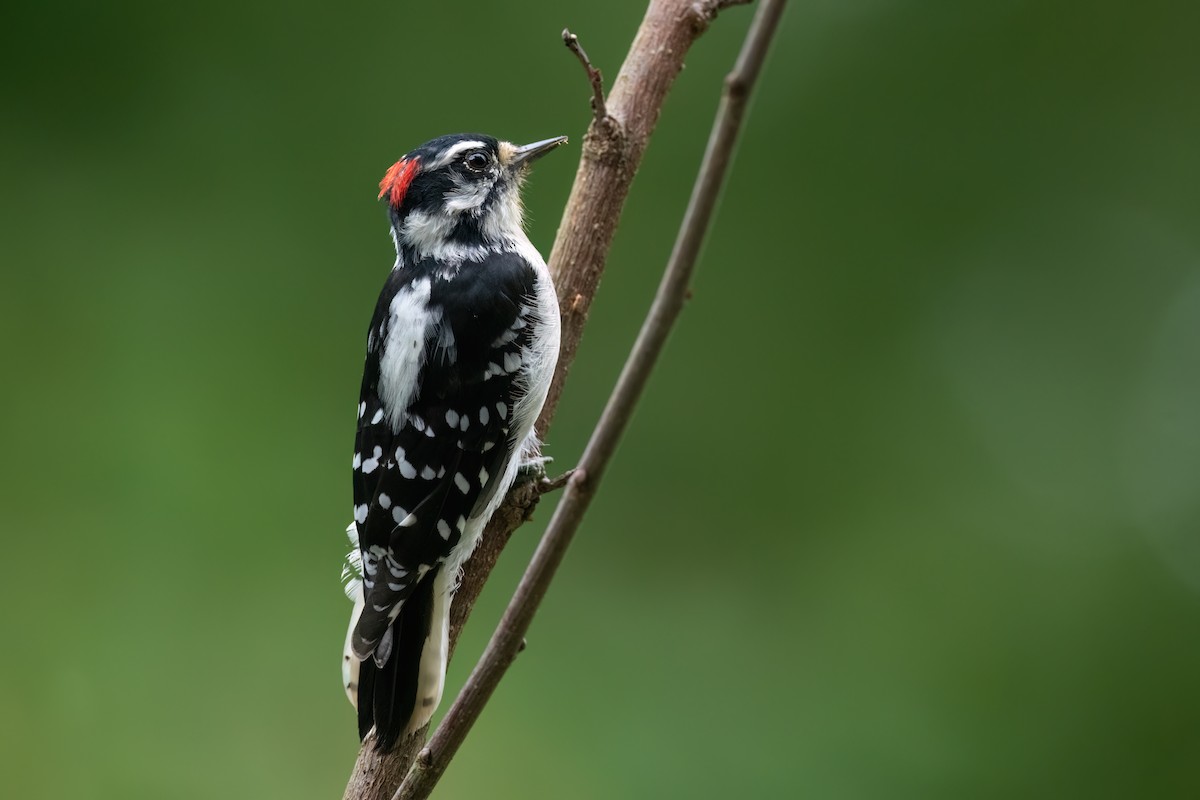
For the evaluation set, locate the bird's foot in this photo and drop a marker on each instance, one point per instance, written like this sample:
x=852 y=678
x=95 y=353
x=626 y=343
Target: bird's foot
x=532 y=470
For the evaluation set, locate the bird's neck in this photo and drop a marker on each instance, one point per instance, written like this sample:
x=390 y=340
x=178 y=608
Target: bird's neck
x=454 y=238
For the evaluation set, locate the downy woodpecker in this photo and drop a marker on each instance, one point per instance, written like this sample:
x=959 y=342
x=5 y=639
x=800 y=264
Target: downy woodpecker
x=460 y=352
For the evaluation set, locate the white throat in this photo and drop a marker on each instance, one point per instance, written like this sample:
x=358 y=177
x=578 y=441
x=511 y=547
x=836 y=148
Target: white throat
x=429 y=235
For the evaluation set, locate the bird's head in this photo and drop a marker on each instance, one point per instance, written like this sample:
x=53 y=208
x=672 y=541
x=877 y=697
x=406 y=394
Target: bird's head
x=459 y=193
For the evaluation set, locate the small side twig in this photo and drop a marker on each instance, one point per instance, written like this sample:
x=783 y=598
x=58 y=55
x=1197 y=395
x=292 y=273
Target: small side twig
x=599 y=109
x=610 y=156
x=584 y=480
x=547 y=485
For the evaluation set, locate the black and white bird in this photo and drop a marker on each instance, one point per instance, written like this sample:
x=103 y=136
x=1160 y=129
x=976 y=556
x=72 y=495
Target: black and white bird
x=460 y=353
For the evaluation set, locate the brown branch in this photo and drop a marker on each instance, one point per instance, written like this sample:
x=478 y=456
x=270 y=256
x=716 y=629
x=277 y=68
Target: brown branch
x=612 y=151
x=599 y=110
x=508 y=639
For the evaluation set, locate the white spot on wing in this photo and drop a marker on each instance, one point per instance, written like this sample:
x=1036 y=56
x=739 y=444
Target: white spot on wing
x=461 y=483
x=369 y=465
x=406 y=469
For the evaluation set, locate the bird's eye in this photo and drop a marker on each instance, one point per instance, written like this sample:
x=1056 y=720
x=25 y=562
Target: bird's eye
x=477 y=160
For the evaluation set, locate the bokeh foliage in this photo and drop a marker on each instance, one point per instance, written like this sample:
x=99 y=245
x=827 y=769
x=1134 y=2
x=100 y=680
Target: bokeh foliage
x=910 y=509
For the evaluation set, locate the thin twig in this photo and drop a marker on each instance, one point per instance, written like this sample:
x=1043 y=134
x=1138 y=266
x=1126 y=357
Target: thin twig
x=611 y=154
x=584 y=481
x=547 y=485
x=599 y=109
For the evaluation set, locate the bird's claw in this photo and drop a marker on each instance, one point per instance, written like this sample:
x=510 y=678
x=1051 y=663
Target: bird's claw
x=532 y=469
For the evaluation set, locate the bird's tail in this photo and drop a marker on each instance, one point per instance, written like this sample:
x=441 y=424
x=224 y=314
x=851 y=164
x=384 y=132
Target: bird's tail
x=352 y=583
x=400 y=695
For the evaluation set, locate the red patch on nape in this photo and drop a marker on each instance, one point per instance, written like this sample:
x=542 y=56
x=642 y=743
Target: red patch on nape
x=395 y=182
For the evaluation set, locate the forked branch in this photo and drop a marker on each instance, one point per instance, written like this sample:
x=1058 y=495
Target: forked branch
x=612 y=152
x=585 y=480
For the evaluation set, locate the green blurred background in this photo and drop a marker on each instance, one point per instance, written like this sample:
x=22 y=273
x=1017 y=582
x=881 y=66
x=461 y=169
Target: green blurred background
x=910 y=508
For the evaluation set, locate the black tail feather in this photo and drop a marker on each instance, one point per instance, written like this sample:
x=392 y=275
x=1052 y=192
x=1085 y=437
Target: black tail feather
x=387 y=695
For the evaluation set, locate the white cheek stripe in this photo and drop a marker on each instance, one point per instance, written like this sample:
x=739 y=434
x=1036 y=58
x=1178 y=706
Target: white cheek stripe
x=425 y=233
x=467 y=197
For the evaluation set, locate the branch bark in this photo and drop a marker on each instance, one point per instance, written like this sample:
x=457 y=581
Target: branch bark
x=585 y=480
x=612 y=151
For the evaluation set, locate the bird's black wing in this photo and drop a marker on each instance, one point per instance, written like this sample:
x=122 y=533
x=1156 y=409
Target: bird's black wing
x=423 y=471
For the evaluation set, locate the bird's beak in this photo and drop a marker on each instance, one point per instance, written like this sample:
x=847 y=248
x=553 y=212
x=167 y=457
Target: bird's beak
x=529 y=153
